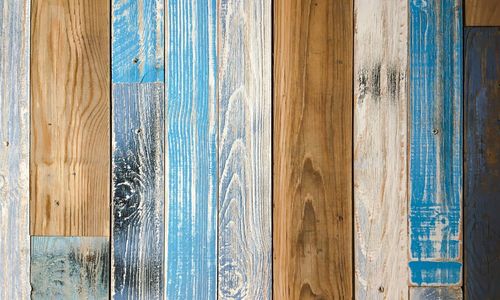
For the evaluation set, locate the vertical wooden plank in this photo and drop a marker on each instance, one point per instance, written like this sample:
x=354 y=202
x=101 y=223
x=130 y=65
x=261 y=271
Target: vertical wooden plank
x=244 y=90
x=191 y=157
x=14 y=147
x=138 y=191
x=312 y=240
x=482 y=163
x=69 y=267
x=435 y=162
x=436 y=293
x=482 y=13
x=70 y=102
x=380 y=127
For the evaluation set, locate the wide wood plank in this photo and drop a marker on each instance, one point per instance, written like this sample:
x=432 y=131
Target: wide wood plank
x=380 y=126
x=138 y=191
x=436 y=293
x=312 y=240
x=14 y=149
x=244 y=89
x=69 y=268
x=70 y=103
x=482 y=13
x=482 y=163
x=191 y=154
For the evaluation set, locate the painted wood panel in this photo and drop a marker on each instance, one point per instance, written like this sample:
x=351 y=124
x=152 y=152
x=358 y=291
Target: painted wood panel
x=436 y=293
x=14 y=149
x=435 y=137
x=482 y=163
x=191 y=156
x=70 y=103
x=69 y=267
x=244 y=90
x=312 y=217
x=482 y=13
x=380 y=128
x=138 y=191
x=138 y=41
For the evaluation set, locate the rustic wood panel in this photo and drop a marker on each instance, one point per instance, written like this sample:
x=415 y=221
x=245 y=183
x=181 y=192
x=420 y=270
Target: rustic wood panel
x=244 y=81
x=191 y=157
x=482 y=163
x=138 y=191
x=313 y=46
x=14 y=147
x=70 y=102
x=69 y=267
x=435 y=137
x=436 y=293
x=482 y=13
x=380 y=127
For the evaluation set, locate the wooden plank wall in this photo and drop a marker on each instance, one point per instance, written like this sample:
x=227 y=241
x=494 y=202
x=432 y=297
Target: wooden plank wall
x=482 y=13
x=482 y=162
x=312 y=235
x=14 y=149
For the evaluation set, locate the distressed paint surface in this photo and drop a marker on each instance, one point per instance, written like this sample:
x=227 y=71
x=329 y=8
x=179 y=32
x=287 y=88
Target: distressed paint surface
x=435 y=162
x=436 y=293
x=191 y=157
x=482 y=163
x=138 y=41
x=69 y=267
x=380 y=126
x=244 y=90
x=138 y=191
x=14 y=149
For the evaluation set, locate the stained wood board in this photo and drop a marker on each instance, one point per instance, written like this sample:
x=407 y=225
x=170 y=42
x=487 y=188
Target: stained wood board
x=14 y=149
x=312 y=173
x=482 y=13
x=436 y=293
x=70 y=103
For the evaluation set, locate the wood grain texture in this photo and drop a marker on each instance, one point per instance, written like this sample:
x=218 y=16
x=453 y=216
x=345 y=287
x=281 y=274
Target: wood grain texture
x=436 y=293
x=482 y=13
x=312 y=240
x=138 y=191
x=14 y=149
x=380 y=127
x=138 y=41
x=244 y=81
x=69 y=267
x=70 y=102
x=435 y=137
x=482 y=163
x=191 y=157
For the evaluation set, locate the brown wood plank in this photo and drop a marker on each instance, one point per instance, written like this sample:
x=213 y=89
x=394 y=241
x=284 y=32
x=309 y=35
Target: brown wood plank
x=482 y=13
x=313 y=49
x=70 y=102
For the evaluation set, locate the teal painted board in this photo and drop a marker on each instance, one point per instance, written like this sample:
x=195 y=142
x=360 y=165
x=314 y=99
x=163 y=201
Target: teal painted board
x=435 y=162
x=69 y=267
x=138 y=191
x=244 y=90
x=137 y=41
x=14 y=149
x=436 y=293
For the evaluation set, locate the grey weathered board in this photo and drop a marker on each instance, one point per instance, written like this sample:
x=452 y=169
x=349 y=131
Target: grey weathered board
x=69 y=267
x=138 y=191
x=436 y=293
x=14 y=149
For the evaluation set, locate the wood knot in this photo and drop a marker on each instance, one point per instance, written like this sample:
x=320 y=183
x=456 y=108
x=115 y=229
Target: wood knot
x=381 y=289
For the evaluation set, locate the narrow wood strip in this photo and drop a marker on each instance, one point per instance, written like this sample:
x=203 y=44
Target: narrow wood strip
x=380 y=127
x=482 y=13
x=482 y=163
x=435 y=162
x=244 y=89
x=138 y=191
x=312 y=240
x=436 y=293
x=14 y=149
x=69 y=267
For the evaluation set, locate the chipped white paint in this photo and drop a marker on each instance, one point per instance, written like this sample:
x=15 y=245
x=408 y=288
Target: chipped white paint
x=436 y=293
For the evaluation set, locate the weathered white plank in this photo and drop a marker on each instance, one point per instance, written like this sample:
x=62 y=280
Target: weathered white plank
x=436 y=293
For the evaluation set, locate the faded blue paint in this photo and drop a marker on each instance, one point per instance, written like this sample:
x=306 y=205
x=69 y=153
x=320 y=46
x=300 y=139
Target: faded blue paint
x=435 y=138
x=431 y=273
x=192 y=156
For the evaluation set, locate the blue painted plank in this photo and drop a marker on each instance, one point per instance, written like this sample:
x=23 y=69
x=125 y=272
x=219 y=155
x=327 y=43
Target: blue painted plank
x=191 y=160
x=435 y=167
x=436 y=293
x=435 y=273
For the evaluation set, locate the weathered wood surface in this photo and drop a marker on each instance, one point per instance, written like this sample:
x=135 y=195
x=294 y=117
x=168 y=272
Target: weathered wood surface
x=436 y=293
x=312 y=238
x=482 y=163
x=244 y=81
x=380 y=126
x=191 y=157
x=70 y=104
x=482 y=13
x=69 y=267
x=138 y=41
x=137 y=258
x=435 y=150
x=14 y=149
